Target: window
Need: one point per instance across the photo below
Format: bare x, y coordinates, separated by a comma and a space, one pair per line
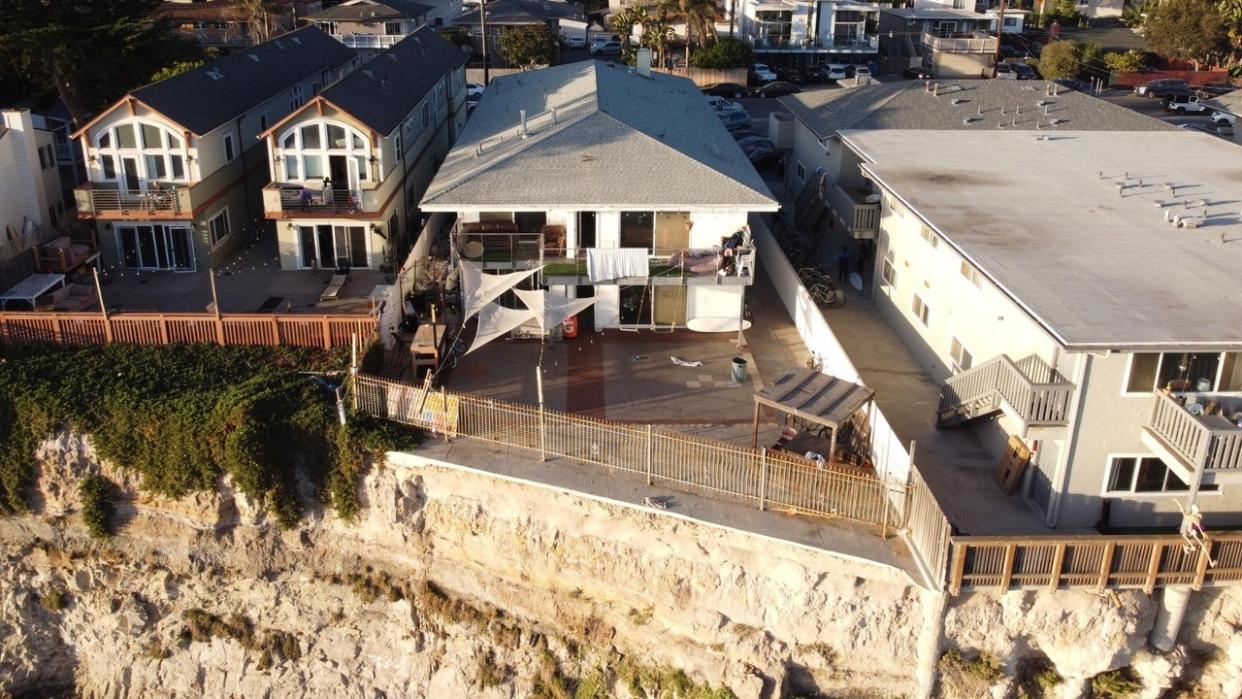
328, 27
961, 356
972, 275
637, 229
219, 227
888, 273
921, 311
296, 97
1139, 474
148, 151
801, 171
930, 236
330, 247
393, 29
1184, 371
311, 151
263, 122
530, 221
229, 152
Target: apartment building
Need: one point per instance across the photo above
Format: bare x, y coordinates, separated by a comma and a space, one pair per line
32, 194
810, 31
371, 26
350, 165
617, 183
1084, 303
175, 167
228, 25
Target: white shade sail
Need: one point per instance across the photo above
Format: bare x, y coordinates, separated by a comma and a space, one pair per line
496, 320
479, 289
552, 309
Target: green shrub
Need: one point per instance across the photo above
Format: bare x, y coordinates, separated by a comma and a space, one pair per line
183, 416
54, 600
1115, 684
984, 666
97, 509
725, 52
1037, 677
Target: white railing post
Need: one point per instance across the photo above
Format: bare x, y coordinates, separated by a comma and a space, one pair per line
763, 477
649, 453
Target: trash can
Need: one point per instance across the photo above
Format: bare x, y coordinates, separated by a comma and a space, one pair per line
571, 327
739, 369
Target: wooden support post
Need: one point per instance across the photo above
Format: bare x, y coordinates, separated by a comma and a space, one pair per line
958, 569
1201, 566
103, 307
763, 478
327, 333
56, 336
1058, 562
1106, 564
650, 454
754, 440
1011, 552
353, 367
215, 304
275, 330
163, 330
1153, 568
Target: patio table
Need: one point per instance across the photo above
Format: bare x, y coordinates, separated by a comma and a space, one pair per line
31, 288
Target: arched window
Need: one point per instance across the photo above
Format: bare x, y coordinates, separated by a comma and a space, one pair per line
140, 152
311, 152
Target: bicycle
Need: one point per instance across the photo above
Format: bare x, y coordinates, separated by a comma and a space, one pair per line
828, 293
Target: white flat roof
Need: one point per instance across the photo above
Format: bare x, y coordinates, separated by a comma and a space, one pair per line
1073, 227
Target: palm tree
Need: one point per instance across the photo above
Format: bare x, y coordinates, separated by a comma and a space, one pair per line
655, 36
622, 24
700, 19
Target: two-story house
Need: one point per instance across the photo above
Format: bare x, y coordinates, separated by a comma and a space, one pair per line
350, 165
950, 38
504, 16
175, 167
371, 26
229, 25
617, 183
813, 31
1084, 302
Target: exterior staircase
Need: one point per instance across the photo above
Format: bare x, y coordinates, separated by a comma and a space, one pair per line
1029, 390
809, 206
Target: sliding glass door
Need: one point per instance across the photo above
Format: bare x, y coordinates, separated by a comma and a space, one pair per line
156, 247
330, 247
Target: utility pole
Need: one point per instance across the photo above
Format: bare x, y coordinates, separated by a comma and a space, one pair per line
1000, 30
483, 30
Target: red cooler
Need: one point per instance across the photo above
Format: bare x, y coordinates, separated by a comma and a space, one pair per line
571, 327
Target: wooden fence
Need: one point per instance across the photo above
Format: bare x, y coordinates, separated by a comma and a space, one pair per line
706, 77
770, 479
1097, 561
326, 331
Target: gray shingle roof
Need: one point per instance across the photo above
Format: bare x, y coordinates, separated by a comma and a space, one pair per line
907, 104
384, 90
598, 136
1229, 102
220, 90
372, 11
522, 12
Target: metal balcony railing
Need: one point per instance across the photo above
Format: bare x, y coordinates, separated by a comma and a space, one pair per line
960, 43
172, 199
368, 41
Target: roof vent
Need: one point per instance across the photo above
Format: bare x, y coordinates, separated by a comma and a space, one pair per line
215, 74
297, 40
367, 72
957, 101
969, 120
253, 57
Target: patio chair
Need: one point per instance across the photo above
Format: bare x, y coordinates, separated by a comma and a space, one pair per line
788, 434
333, 290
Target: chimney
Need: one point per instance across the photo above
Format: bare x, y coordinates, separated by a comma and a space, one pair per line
644, 62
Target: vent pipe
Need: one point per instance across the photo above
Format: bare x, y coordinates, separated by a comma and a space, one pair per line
644, 62
522, 131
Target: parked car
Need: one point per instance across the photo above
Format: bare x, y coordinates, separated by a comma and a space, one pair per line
726, 90
919, 73
862, 73
474, 91
1223, 118
836, 71
577, 41
734, 121
721, 104
1185, 104
760, 72
1024, 71
1216, 89
602, 38
753, 141
1161, 88
746, 133
776, 89
1005, 71
789, 74
762, 157
611, 48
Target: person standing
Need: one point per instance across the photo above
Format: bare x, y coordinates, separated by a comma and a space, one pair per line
843, 264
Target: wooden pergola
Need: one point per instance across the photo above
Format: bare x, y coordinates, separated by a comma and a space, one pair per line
815, 397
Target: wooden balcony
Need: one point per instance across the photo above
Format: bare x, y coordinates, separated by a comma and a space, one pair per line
960, 43
1189, 442
110, 203
859, 216
662, 269
1029, 390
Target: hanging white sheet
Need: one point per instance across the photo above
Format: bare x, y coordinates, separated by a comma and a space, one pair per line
479, 289
551, 309
496, 320
608, 264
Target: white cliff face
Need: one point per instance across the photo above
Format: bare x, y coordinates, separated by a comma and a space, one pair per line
535, 585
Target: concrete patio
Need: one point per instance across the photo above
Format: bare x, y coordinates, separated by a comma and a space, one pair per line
251, 282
